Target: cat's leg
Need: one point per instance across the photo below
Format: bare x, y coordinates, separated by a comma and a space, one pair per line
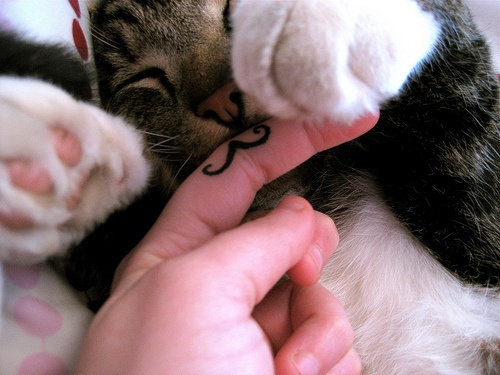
327, 58
64, 166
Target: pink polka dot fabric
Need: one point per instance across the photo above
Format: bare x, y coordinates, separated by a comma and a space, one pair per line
44, 322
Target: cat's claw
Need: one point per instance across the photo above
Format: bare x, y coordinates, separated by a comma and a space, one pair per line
64, 166
320, 59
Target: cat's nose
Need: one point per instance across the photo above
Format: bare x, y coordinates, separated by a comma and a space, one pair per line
222, 105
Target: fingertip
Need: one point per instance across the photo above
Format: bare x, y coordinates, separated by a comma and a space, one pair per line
294, 203
322, 336
327, 233
308, 270
359, 127
349, 365
307, 364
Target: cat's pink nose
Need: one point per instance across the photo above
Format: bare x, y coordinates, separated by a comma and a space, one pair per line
222, 104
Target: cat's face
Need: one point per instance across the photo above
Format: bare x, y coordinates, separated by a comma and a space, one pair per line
162, 65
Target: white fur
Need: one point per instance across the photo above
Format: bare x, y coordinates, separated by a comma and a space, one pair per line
339, 59
336, 59
112, 155
409, 314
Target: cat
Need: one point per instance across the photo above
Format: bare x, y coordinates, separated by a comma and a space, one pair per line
415, 200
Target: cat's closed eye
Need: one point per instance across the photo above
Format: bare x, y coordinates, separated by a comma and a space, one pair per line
153, 73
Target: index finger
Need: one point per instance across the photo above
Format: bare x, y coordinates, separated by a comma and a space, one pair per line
218, 194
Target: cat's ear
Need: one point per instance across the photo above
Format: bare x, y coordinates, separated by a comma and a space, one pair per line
322, 58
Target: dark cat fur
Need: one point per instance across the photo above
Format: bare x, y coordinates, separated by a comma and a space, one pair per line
51, 63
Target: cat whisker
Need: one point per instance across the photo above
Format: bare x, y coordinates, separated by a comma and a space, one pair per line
163, 151
161, 145
101, 37
159, 135
178, 172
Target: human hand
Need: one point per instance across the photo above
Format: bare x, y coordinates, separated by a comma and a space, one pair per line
197, 295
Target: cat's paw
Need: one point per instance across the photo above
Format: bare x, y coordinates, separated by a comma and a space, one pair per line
336, 59
64, 166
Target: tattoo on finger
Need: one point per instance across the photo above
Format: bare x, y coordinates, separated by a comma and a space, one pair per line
234, 145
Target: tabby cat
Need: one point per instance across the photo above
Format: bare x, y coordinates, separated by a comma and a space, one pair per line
415, 200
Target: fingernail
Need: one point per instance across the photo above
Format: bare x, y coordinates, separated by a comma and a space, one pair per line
307, 364
293, 203
316, 253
